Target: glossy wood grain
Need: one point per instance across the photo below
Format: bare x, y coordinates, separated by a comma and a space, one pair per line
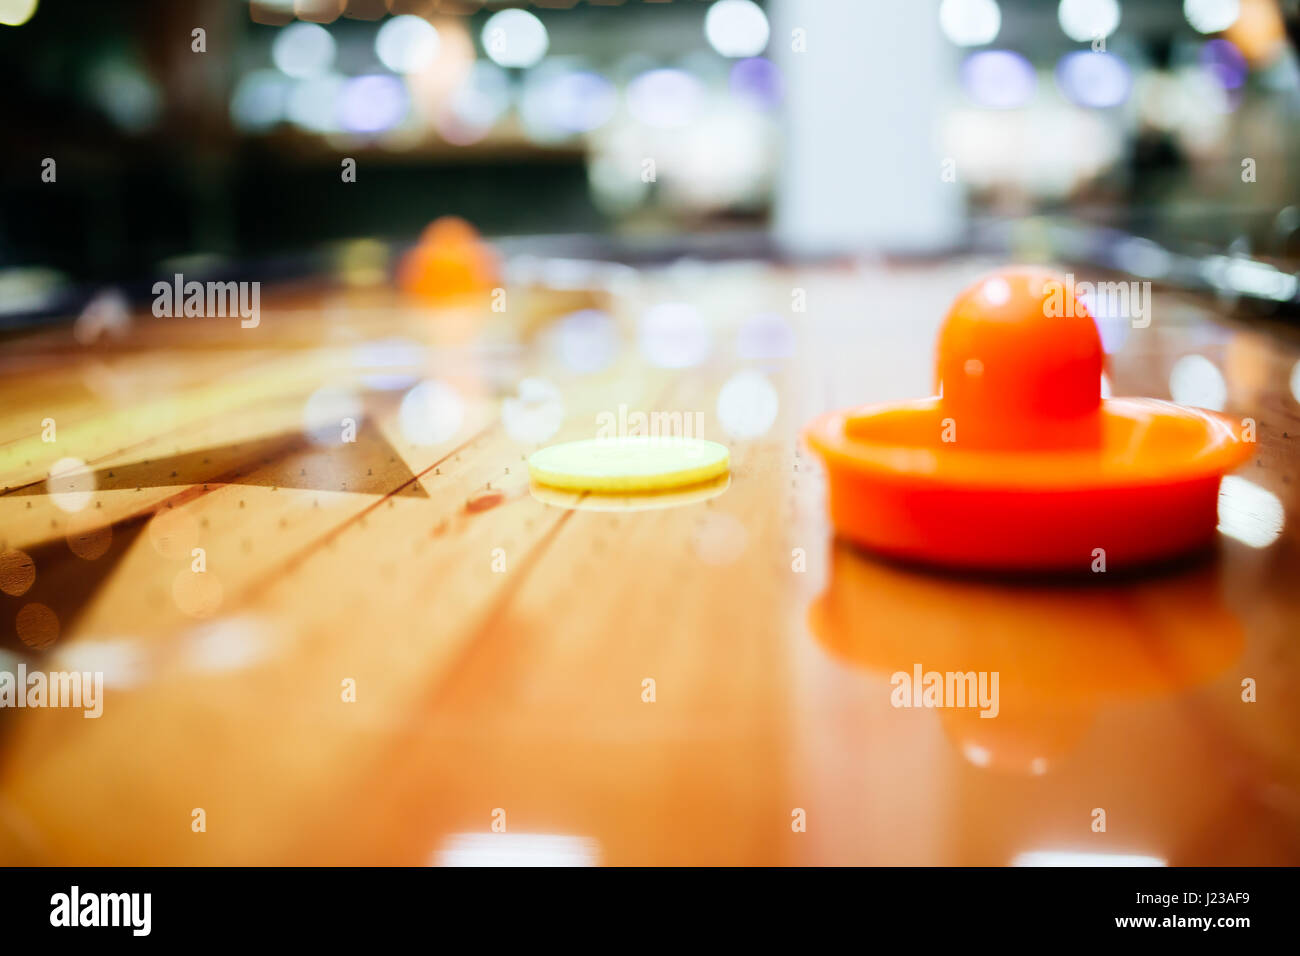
501, 641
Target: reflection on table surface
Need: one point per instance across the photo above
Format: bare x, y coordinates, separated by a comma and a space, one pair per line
399, 654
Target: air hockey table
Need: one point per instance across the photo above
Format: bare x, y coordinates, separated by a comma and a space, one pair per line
384, 646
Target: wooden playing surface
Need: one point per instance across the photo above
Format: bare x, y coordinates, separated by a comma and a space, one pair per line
499, 644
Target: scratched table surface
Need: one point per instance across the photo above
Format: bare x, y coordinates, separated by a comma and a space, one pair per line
383, 647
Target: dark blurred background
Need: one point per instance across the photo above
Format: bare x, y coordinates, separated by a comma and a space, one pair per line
825, 126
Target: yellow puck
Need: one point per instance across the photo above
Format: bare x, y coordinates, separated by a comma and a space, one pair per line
637, 463
630, 500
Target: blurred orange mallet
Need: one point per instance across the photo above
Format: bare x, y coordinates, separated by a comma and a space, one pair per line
449, 262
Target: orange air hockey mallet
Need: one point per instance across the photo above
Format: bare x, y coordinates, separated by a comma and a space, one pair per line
1018, 463
449, 263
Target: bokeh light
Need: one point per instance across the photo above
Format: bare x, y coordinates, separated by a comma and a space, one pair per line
14, 13
1087, 20
535, 413
970, 22
1259, 31
407, 44
765, 336
998, 79
197, 594
389, 364
756, 80
586, 341
517, 849
718, 163
313, 103
433, 88
17, 572
996, 291
227, 644
673, 335
1224, 62
1249, 513
747, 405
431, 413
477, 105
1195, 380
613, 190
303, 50
174, 532
515, 38
70, 484
561, 102
89, 538
126, 94
1094, 79
123, 661
327, 410
736, 28
665, 98
372, 104
37, 626
260, 100
1211, 16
